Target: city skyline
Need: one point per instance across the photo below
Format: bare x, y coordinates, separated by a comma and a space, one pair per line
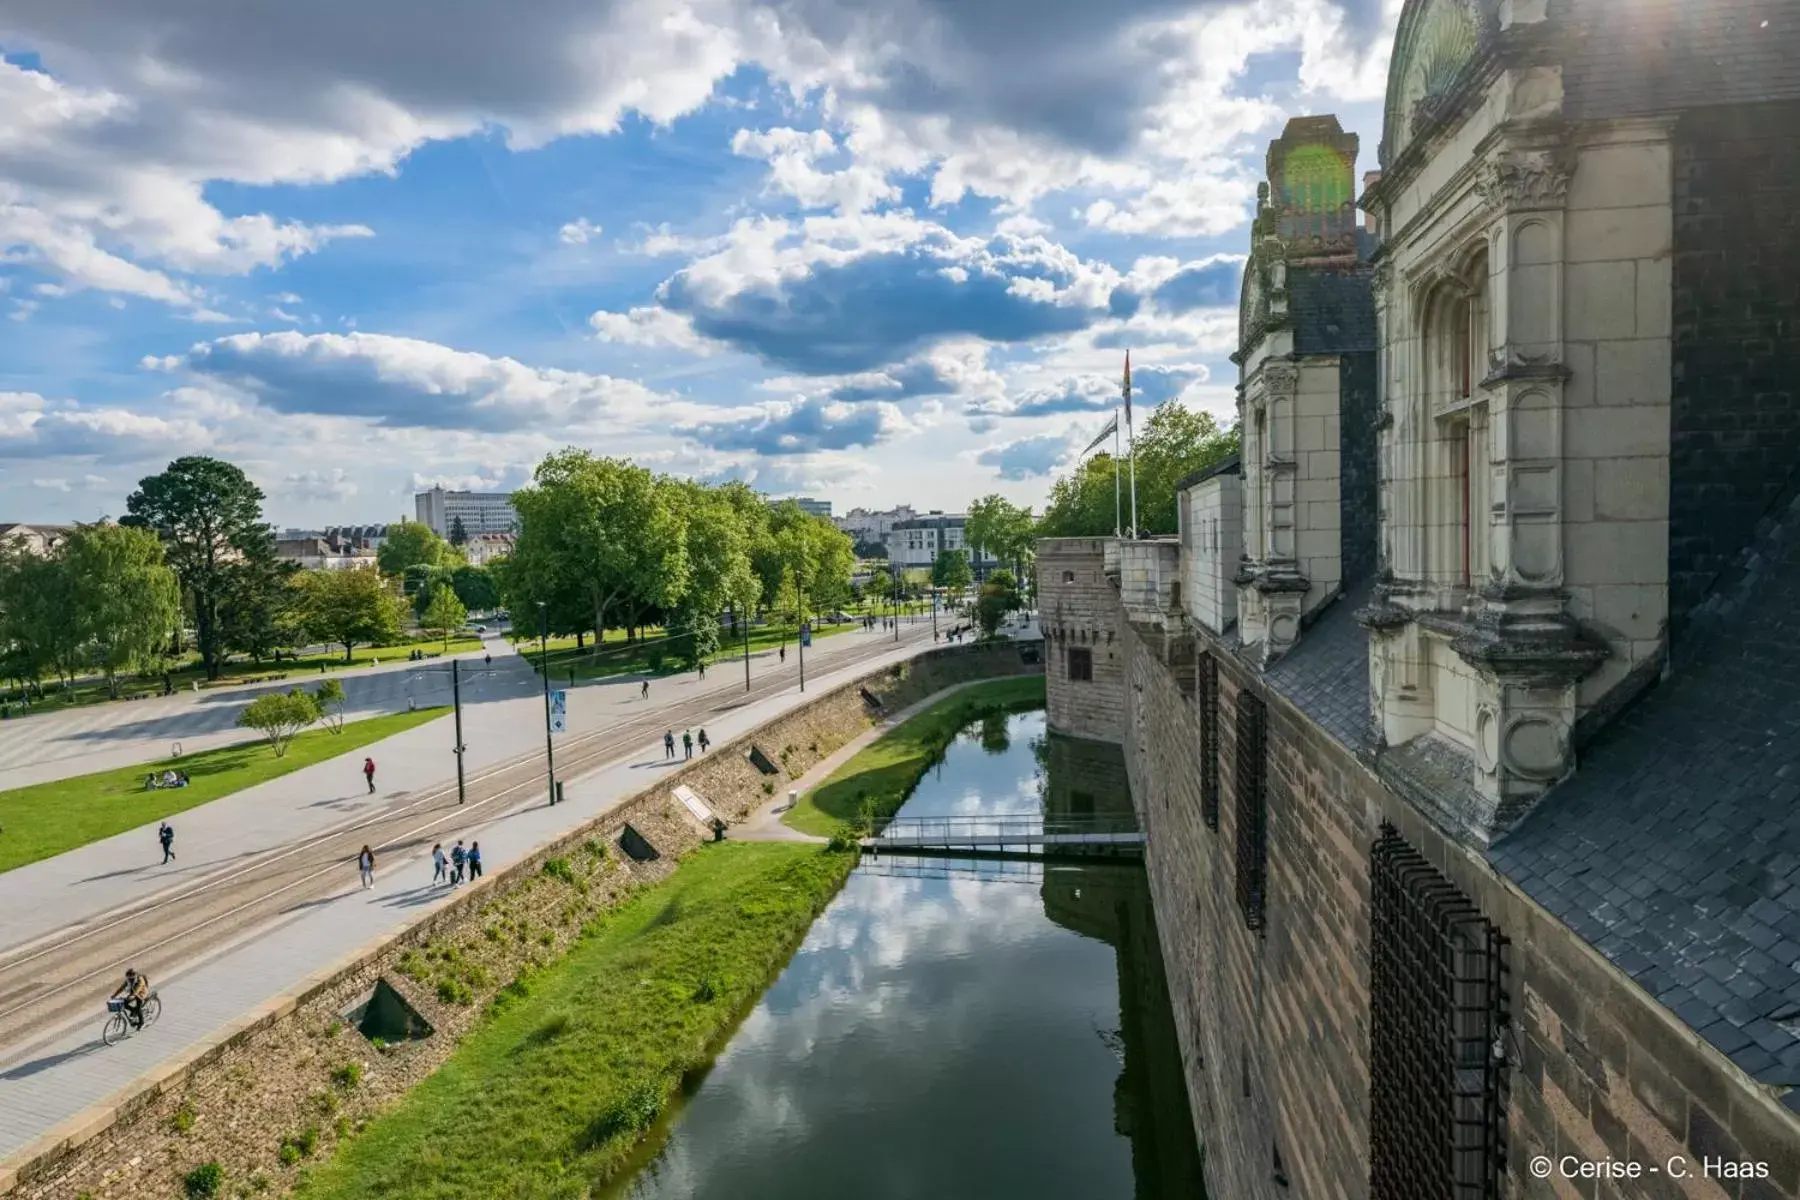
843, 281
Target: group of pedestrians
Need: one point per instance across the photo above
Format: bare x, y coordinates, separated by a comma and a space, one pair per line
687, 743
449, 869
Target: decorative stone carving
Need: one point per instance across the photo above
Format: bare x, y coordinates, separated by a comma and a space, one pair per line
1383, 277
1279, 378
1527, 180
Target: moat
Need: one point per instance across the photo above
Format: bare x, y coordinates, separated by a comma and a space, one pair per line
956, 1028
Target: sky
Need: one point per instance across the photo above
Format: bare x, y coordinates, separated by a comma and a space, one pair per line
874, 253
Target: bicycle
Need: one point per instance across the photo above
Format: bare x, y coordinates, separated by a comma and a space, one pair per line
118, 1022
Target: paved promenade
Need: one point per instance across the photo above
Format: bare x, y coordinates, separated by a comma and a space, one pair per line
52, 1082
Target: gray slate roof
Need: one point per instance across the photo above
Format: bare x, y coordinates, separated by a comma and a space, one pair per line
1332, 309
1675, 847
1327, 674
1637, 57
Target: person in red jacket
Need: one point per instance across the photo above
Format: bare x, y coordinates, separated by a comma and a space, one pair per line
369, 774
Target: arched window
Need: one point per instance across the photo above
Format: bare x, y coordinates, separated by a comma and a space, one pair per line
1457, 340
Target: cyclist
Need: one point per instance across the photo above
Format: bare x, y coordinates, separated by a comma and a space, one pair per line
134, 991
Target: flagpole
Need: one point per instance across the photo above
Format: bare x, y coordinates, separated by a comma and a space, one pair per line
1131, 443
1118, 503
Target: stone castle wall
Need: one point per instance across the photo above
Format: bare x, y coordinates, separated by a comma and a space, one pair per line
1275, 1026
1079, 609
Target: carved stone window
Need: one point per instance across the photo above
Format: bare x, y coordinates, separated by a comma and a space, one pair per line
1081, 664
1456, 340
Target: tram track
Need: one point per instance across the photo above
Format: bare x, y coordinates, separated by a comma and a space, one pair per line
162, 935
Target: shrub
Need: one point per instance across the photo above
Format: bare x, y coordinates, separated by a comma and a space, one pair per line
632, 1112
204, 1180
844, 841
348, 1075
341, 1127
768, 789
183, 1120
558, 868
453, 991
413, 966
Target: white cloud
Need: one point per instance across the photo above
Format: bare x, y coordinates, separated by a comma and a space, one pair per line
51, 485
578, 232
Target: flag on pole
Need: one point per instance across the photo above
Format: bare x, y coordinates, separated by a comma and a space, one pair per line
1112, 427
1128, 389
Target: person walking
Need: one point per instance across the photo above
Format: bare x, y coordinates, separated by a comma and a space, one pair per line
457, 857
784, 652
365, 863
440, 866
703, 668
669, 744
369, 774
487, 660
703, 742
687, 743
644, 691
166, 835
474, 861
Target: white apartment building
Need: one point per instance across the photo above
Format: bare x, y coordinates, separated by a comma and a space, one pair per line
919, 541
481, 512
864, 525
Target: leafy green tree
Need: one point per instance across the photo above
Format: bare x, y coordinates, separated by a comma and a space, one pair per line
600, 529
332, 702
413, 544
870, 550
257, 613
476, 588
32, 613
998, 596
123, 599
209, 517
445, 614
279, 716
420, 583
349, 607
1002, 530
459, 535
1174, 443
951, 572
720, 574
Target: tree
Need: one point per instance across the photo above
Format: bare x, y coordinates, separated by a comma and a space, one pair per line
445, 614
257, 613
278, 716
459, 536
123, 599
804, 561
1175, 442
413, 544
332, 702
600, 530
951, 572
421, 583
31, 612
209, 517
348, 607
719, 570
870, 550
476, 588
998, 596
1002, 530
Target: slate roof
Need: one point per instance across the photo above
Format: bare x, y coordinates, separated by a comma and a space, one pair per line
1230, 465
1637, 57
1327, 674
1332, 309
1675, 847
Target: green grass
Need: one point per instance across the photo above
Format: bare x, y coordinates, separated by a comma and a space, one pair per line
877, 781
547, 1097
46, 819
92, 689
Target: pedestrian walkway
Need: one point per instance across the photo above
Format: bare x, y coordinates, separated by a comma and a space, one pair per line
100, 737
766, 825
49, 1089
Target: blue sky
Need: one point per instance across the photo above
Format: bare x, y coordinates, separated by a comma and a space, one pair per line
876, 253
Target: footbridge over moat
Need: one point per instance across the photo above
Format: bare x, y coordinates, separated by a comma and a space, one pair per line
1022, 835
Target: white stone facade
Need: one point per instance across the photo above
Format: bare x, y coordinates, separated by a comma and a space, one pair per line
1212, 547
1524, 300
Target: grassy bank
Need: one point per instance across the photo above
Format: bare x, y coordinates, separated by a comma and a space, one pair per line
885, 771
46, 819
549, 1094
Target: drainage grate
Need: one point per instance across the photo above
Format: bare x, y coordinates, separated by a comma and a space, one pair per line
1438, 1023
1252, 811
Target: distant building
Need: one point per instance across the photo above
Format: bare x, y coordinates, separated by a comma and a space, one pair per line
36, 539
818, 508
866, 526
918, 542
481, 512
484, 548
319, 553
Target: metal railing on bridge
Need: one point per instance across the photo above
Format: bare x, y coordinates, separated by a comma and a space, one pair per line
1031, 835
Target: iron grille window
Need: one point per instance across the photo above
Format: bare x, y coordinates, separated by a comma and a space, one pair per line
1209, 740
1252, 808
1438, 1017
1081, 664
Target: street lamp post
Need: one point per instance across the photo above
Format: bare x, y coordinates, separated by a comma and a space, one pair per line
744, 620
802, 638
456, 704
895, 573
544, 670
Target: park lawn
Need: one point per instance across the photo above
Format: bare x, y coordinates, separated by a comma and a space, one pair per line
551, 1091
884, 773
617, 658
46, 819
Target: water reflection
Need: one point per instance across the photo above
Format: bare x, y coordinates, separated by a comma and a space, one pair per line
955, 1029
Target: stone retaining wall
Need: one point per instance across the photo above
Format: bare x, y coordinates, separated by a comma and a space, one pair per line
263, 1081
